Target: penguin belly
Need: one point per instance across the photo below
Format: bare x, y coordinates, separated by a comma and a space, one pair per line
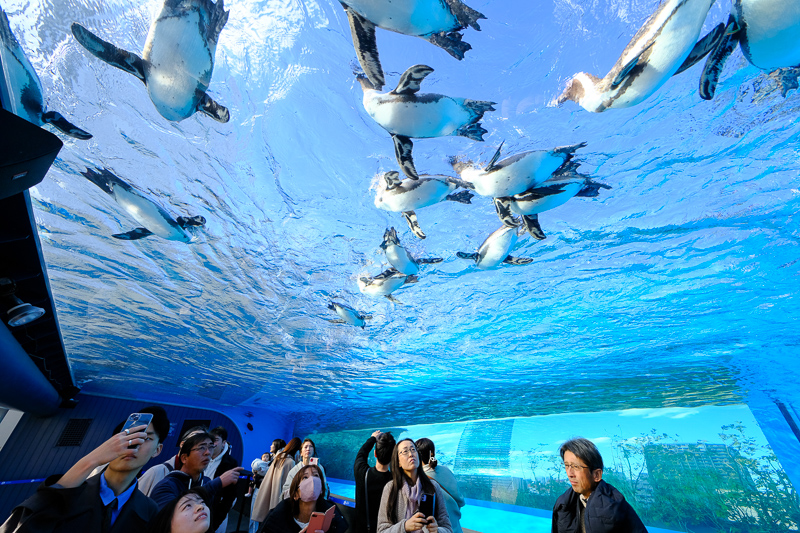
421, 117
427, 193
150, 215
409, 17
399, 258
772, 32
24, 86
383, 288
178, 64
496, 248
540, 205
528, 171
350, 316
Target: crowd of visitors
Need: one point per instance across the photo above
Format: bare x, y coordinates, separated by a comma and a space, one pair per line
194, 491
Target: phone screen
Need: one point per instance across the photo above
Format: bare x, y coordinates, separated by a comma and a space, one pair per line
427, 504
313, 460
137, 419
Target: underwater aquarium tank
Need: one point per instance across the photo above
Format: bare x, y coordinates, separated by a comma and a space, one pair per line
558, 234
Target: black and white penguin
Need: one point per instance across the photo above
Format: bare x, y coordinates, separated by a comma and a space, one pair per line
25, 88
437, 21
495, 249
178, 57
348, 315
552, 193
154, 219
768, 32
407, 195
399, 257
517, 173
406, 114
385, 283
666, 45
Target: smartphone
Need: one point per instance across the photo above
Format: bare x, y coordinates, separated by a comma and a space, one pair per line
320, 521
245, 474
313, 460
427, 504
137, 419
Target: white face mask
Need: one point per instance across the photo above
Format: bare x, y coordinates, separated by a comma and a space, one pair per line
310, 488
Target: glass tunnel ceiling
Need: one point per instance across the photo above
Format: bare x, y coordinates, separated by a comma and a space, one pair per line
675, 287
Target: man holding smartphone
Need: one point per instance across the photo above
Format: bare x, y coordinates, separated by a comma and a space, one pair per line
106, 502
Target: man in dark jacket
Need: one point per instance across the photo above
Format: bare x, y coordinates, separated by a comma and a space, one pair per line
371, 480
221, 462
591, 505
109, 502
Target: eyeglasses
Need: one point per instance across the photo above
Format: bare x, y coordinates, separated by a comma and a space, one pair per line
574, 468
203, 448
407, 451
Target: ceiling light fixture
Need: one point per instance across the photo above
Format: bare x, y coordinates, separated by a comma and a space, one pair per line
18, 312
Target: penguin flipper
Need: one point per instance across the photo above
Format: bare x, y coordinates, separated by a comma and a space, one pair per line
413, 223
214, 110
465, 15
411, 79
56, 120
336, 321
628, 68
462, 197
392, 180
716, 60
394, 300
403, 147
503, 208
429, 260
363, 33
703, 47
105, 51
787, 80
490, 166
509, 260
134, 234
197, 220
531, 223
470, 257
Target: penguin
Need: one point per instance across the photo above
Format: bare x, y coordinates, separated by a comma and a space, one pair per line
552, 193
406, 114
407, 195
178, 57
437, 21
348, 315
25, 87
156, 220
768, 32
385, 283
666, 45
517, 173
399, 257
494, 250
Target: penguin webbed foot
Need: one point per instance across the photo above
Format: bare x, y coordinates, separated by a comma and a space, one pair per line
592, 189
214, 110
788, 80
196, 221
133, 235
462, 197
465, 15
470, 257
509, 260
471, 131
429, 261
451, 43
56, 120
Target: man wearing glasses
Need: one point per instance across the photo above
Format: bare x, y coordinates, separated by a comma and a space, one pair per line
591, 505
193, 458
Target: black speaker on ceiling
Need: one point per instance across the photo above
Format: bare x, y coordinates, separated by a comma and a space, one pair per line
26, 153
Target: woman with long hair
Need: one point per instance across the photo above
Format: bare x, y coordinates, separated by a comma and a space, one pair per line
191, 513
307, 450
399, 512
305, 497
269, 494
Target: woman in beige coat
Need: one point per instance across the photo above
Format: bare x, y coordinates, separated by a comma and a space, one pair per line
269, 494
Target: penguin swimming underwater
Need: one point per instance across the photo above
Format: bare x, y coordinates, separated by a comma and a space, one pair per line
768, 33
517, 173
406, 114
25, 87
494, 250
154, 218
399, 257
385, 283
178, 57
348, 315
552, 193
438, 22
407, 195
664, 46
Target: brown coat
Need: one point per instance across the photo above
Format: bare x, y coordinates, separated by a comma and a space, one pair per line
269, 494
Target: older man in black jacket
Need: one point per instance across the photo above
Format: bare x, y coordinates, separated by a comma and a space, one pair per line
591, 505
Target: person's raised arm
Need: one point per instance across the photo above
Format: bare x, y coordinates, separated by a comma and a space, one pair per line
362, 457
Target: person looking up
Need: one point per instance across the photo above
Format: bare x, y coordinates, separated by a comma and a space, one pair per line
276, 446
591, 505
399, 511
221, 462
293, 514
193, 458
190, 513
269, 494
156, 473
453, 499
108, 502
371, 480
307, 451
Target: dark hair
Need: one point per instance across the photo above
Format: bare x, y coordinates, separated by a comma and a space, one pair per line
280, 444
190, 443
160, 421
162, 521
312, 443
384, 447
585, 450
220, 432
288, 451
399, 477
295, 486
425, 448
195, 429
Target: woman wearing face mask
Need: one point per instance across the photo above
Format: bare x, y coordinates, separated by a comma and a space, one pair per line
292, 515
399, 512
188, 514
307, 451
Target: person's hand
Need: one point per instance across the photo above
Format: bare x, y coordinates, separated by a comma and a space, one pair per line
416, 522
377, 433
433, 527
119, 446
231, 476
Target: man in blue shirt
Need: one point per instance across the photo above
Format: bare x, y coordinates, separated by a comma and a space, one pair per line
108, 502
